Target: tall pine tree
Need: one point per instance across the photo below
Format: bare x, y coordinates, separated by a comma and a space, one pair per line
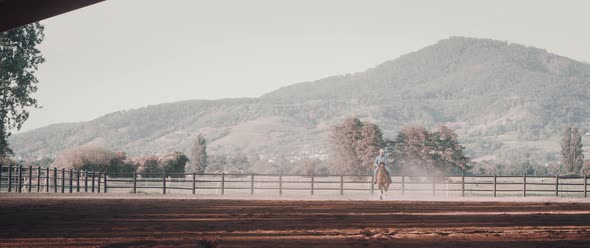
566, 150
572, 154
198, 155
577, 152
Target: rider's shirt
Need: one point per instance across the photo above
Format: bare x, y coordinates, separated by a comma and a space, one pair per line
381, 159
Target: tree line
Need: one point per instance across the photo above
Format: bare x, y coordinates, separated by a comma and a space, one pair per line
417, 151
98, 158
354, 144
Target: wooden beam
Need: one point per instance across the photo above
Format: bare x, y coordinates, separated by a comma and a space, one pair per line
16, 13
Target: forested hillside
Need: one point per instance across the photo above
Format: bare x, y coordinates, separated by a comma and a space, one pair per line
505, 101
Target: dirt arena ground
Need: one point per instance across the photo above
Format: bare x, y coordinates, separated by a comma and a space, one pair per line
162, 222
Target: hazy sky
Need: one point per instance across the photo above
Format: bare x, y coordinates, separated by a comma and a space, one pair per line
123, 54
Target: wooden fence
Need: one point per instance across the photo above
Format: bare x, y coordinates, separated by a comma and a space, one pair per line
36, 179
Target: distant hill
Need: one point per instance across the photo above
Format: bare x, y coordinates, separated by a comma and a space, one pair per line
506, 101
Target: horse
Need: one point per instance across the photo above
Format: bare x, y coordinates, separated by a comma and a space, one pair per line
383, 180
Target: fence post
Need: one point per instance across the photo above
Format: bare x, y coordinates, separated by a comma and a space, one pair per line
85, 181
164, 182
47, 180
63, 180
557, 185
20, 178
252, 184
55, 180
93, 178
494, 185
312, 178
524, 185
463, 185
446, 187
223, 183
99, 181
134, 182
194, 182
30, 178
372, 183
281, 184
71, 179
433, 186
9, 178
403, 185
105, 182
78, 181
38, 179
341, 184
1, 167
585, 187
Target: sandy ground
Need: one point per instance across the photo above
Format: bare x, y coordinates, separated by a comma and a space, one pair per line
168, 221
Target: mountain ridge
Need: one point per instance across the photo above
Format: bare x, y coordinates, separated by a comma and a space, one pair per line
479, 87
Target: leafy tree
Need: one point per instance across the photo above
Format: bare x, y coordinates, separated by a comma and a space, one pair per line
174, 163
19, 59
354, 146
448, 153
199, 159
418, 151
343, 157
154, 166
120, 164
90, 157
413, 151
86, 157
369, 144
416, 146
149, 166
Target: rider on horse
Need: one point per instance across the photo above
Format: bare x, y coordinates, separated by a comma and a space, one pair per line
381, 158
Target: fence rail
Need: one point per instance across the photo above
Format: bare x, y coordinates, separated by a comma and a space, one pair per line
29, 179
